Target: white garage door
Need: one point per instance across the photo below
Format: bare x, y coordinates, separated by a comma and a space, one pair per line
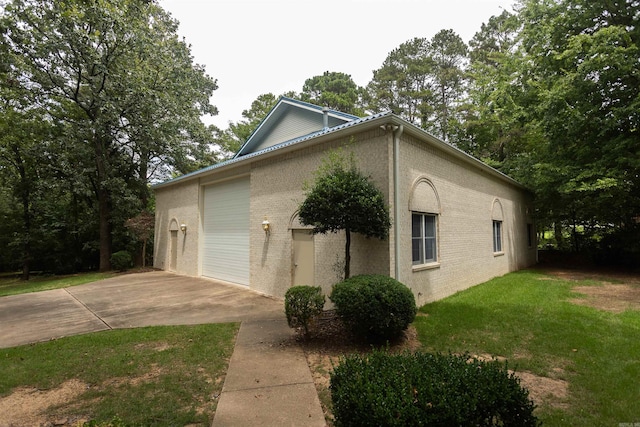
226, 231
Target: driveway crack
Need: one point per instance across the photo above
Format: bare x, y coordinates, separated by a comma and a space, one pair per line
88, 309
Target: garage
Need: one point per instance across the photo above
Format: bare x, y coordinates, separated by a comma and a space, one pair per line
226, 231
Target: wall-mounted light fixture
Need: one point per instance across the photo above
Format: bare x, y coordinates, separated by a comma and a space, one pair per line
266, 225
183, 227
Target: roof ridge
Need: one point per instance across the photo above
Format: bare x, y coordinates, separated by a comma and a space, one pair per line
318, 107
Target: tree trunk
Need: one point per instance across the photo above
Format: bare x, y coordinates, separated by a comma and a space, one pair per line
143, 171
105, 229
144, 253
444, 120
25, 196
347, 255
100, 146
574, 235
26, 247
557, 234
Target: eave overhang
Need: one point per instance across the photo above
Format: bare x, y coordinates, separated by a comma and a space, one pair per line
347, 129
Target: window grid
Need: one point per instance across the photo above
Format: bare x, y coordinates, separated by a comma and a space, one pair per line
424, 238
497, 236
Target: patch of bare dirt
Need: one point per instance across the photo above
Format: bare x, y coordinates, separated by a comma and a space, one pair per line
610, 276
610, 297
619, 291
544, 390
155, 346
147, 377
27, 407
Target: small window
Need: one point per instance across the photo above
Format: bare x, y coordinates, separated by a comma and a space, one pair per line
497, 236
530, 235
424, 246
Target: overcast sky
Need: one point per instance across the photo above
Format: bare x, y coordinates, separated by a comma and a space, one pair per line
253, 47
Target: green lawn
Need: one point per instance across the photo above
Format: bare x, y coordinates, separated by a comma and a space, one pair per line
155, 376
12, 285
527, 317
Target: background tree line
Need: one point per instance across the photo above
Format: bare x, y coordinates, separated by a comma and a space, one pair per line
548, 94
101, 98
98, 98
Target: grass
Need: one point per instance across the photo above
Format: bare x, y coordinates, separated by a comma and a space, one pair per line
528, 318
154, 376
12, 285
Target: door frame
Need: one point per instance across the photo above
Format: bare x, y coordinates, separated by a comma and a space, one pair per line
310, 262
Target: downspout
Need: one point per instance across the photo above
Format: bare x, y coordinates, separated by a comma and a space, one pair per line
397, 133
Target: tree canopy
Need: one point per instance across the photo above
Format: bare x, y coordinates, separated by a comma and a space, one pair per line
122, 88
335, 90
423, 81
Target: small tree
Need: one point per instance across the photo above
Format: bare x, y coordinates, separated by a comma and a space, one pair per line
342, 198
142, 226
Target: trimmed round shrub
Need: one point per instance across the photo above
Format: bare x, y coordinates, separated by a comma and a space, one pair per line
374, 306
121, 260
302, 304
381, 389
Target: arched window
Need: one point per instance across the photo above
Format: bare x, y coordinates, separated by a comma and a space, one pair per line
424, 205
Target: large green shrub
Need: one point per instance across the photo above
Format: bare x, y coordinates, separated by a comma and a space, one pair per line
302, 304
374, 306
424, 389
121, 260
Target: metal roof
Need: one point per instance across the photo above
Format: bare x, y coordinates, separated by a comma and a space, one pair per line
383, 118
276, 147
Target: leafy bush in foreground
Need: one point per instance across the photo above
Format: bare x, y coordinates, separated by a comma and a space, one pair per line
302, 304
121, 260
374, 306
424, 389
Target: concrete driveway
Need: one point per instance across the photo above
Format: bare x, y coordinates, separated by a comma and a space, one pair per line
125, 301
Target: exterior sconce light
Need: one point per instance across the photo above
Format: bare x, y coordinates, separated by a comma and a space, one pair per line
266, 225
183, 227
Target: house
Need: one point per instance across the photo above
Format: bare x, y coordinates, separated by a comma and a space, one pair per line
456, 221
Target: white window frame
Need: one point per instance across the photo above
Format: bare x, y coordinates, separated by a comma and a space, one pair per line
423, 239
497, 237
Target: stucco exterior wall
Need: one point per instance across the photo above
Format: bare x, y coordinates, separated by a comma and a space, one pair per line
465, 234
465, 196
277, 191
178, 204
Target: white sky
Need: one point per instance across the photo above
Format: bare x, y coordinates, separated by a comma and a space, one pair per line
253, 47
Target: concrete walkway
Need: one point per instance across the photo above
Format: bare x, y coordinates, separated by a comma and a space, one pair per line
268, 382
